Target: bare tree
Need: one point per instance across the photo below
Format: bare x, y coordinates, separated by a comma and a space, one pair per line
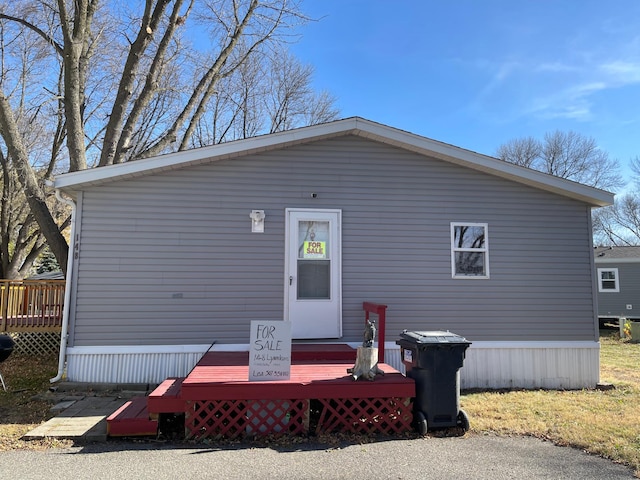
290, 97
128, 80
521, 151
27, 158
567, 155
619, 224
20, 241
267, 93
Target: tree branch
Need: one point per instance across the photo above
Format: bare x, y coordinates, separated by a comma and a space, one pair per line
47, 38
35, 196
207, 82
151, 81
150, 21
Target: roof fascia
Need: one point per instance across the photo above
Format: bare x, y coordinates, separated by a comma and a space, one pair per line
477, 161
611, 260
355, 125
172, 161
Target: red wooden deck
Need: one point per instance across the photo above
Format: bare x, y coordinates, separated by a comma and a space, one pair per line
224, 376
219, 401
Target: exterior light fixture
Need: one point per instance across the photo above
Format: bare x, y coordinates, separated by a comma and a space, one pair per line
257, 221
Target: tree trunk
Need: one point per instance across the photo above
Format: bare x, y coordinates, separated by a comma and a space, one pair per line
35, 196
366, 364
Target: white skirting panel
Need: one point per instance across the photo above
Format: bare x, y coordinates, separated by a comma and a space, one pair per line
488, 365
148, 364
564, 365
494, 365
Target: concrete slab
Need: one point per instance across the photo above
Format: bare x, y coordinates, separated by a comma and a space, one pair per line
84, 420
60, 406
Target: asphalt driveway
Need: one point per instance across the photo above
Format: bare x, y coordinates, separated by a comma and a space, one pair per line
470, 457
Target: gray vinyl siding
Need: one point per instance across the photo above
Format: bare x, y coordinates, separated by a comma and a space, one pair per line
169, 258
615, 303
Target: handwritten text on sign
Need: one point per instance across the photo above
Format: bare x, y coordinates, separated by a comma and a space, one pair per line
270, 350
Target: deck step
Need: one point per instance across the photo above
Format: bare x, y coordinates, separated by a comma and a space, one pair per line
132, 419
167, 398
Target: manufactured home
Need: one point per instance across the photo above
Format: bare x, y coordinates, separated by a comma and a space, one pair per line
618, 282
177, 254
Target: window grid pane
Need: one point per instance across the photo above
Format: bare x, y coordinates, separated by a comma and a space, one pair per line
469, 237
469, 250
469, 263
608, 280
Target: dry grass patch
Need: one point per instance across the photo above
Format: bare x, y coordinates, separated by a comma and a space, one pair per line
605, 423
25, 376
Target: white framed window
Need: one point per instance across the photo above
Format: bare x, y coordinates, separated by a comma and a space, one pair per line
608, 280
469, 250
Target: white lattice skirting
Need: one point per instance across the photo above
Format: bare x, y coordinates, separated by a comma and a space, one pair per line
488, 365
36, 343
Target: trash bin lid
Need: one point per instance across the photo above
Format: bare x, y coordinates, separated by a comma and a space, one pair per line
6, 342
433, 337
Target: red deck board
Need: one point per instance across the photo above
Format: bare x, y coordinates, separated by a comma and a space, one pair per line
166, 398
305, 352
209, 379
132, 409
131, 419
224, 376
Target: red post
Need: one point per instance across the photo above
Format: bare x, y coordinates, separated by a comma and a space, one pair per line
381, 311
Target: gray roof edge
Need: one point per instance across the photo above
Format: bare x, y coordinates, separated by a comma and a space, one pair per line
617, 254
353, 125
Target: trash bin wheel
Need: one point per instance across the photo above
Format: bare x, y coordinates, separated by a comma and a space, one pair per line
421, 423
463, 420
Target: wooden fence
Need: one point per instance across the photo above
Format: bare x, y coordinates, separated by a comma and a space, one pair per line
31, 305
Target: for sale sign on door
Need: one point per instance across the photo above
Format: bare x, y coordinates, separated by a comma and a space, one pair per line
315, 250
270, 350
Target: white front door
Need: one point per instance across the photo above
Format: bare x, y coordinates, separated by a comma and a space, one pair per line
313, 271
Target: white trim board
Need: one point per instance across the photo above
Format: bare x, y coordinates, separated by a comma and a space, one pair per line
244, 347
488, 365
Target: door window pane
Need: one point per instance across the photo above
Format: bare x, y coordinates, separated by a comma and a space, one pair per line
314, 265
313, 240
314, 279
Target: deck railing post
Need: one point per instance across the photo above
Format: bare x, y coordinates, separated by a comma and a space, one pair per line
381, 311
5, 305
31, 305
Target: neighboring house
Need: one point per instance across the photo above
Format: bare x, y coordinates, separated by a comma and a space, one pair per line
173, 253
618, 282
56, 275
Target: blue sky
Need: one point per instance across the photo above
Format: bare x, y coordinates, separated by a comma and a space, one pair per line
479, 73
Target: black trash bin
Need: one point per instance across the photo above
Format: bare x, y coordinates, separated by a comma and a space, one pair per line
433, 360
6, 347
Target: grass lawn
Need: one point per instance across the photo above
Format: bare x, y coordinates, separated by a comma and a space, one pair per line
26, 377
603, 422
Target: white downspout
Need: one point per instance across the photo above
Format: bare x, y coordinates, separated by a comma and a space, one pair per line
67, 292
